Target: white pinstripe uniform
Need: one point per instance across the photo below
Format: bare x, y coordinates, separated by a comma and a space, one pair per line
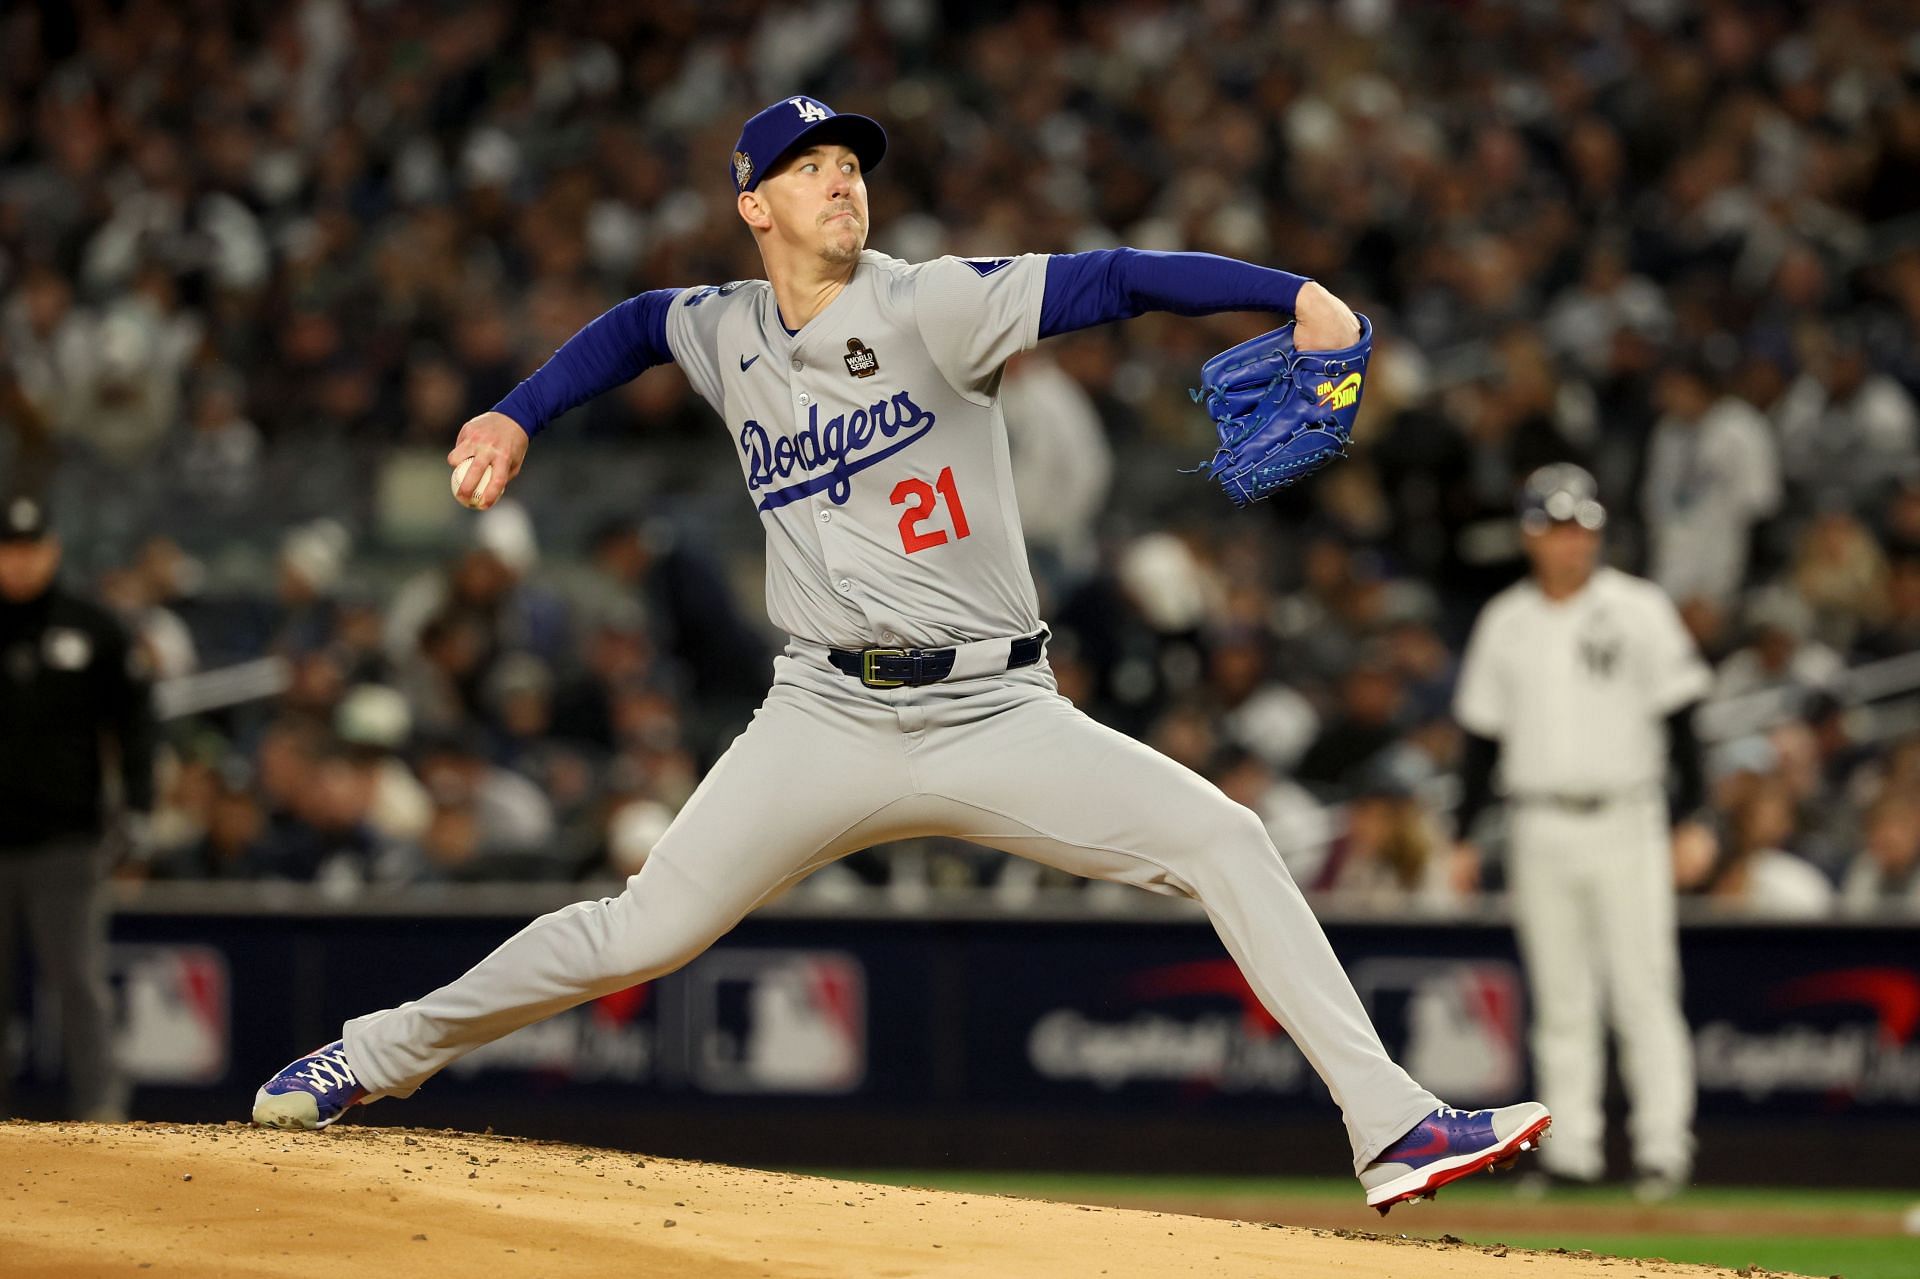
1577, 691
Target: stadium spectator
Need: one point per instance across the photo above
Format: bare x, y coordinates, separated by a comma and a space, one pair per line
690, 610
1756, 874
1299, 825
372, 722
50, 346
231, 827
1609, 298
313, 558
1845, 428
488, 588
1367, 720
1841, 572
1711, 475
1886, 872
1257, 712
488, 822
1062, 467
138, 593
1896, 630
1389, 853
220, 463
1781, 653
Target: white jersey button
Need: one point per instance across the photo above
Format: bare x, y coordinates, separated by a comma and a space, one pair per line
826, 517
889, 637
804, 398
798, 364
846, 585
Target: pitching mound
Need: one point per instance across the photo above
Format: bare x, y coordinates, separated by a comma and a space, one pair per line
211, 1202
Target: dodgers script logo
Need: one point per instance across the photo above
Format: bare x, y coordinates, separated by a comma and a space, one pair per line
829, 454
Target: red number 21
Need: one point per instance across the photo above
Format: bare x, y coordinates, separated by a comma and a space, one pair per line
920, 494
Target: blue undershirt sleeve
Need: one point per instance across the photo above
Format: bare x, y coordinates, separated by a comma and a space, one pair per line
615, 348
1084, 289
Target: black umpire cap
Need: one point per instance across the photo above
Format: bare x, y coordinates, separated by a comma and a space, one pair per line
1561, 493
23, 519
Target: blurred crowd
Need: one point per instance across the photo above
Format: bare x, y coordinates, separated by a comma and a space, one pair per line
1676, 242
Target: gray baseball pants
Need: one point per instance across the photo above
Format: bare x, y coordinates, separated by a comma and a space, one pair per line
829, 766
57, 891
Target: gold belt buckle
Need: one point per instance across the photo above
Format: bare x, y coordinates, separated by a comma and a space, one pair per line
867, 658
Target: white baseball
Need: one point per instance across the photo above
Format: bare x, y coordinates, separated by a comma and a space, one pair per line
460, 473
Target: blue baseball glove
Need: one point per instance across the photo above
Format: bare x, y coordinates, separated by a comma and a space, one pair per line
1282, 414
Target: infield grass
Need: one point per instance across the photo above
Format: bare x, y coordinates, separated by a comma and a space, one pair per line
1056, 1185
1855, 1255
1866, 1258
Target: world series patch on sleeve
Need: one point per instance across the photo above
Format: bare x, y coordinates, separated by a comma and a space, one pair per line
1282, 414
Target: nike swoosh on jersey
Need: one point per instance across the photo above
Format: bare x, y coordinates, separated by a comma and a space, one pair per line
746, 362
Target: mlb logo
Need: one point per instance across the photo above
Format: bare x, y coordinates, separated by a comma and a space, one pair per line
174, 1006
614, 1038
778, 1021
1459, 1024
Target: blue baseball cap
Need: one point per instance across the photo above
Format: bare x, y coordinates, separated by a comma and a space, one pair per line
1561, 493
788, 123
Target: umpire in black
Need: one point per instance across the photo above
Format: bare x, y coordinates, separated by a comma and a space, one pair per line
74, 708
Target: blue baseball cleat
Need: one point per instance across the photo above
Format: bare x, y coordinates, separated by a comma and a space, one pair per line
1449, 1144
310, 1093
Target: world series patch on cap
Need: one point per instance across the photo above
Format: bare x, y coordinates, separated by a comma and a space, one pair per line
791, 122
24, 519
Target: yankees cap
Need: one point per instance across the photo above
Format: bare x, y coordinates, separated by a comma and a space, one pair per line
790, 122
1560, 493
22, 519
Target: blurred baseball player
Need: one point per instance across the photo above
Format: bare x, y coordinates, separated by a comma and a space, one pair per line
914, 698
1581, 682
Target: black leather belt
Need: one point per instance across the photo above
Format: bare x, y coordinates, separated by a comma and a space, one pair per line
908, 667
1582, 804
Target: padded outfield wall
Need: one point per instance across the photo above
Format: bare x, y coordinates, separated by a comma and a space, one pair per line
969, 1037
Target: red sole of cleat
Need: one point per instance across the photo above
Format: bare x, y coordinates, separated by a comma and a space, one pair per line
1500, 1157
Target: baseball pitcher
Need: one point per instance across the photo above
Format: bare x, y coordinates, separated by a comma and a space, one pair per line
914, 697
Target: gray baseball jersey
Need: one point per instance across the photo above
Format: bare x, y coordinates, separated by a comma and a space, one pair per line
873, 446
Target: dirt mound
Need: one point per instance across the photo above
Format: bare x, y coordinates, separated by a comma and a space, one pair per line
213, 1202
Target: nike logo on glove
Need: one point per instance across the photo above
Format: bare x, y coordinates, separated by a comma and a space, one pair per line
747, 363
